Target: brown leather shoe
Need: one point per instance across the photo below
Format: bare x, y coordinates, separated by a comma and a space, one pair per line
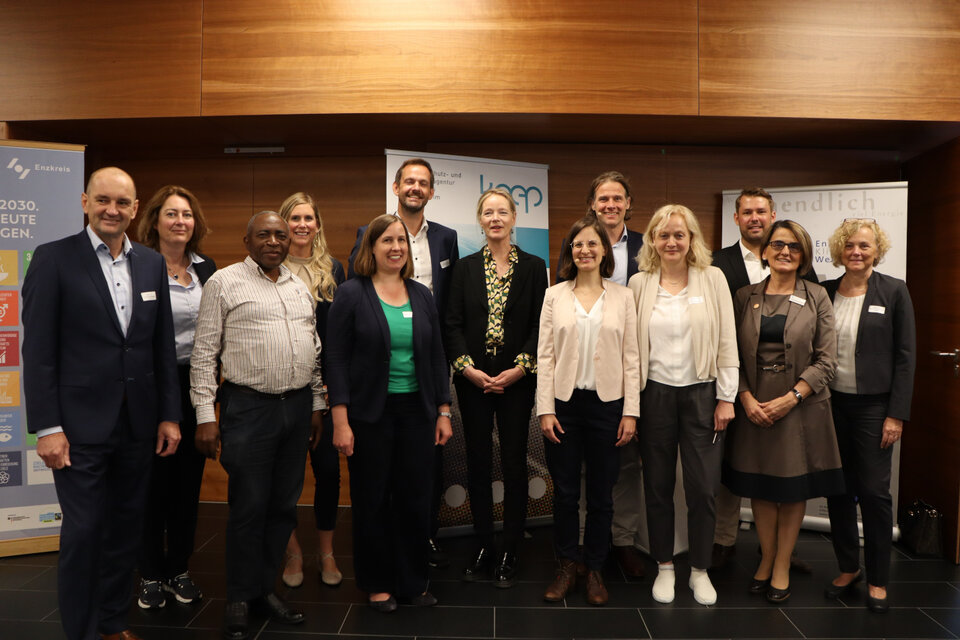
565, 581
596, 591
630, 561
126, 634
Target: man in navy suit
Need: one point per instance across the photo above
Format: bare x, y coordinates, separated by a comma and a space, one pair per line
434, 250
100, 378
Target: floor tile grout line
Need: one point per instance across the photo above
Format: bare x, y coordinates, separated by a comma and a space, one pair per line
262, 629
494, 622
206, 603
937, 622
644, 621
345, 616
792, 623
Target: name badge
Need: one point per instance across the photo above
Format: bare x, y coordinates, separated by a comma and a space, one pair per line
408, 314
696, 300
877, 308
444, 264
799, 301
148, 296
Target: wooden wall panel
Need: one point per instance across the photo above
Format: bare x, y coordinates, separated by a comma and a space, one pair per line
830, 59
112, 59
375, 56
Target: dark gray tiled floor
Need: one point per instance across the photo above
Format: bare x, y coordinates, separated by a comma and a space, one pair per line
924, 592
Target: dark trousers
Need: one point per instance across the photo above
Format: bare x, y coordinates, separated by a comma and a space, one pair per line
391, 480
170, 518
325, 462
264, 444
102, 496
858, 420
672, 417
589, 439
512, 412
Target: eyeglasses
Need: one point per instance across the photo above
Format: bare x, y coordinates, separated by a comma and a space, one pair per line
778, 245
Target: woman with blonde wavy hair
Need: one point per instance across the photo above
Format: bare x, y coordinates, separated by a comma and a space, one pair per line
310, 260
688, 378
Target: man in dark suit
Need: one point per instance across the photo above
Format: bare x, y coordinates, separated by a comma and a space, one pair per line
100, 378
434, 250
754, 212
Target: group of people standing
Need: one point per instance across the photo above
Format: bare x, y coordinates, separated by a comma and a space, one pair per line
641, 350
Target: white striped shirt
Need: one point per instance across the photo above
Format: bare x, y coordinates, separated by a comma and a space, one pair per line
264, 334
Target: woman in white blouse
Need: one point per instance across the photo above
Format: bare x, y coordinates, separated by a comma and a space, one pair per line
588, 400
688, 377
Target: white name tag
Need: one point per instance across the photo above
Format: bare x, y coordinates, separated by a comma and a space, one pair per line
877, 308
147, 296
799, 301
444, 264
696, 300
408, 314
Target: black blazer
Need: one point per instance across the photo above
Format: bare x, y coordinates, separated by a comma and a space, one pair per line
358, 351
323, 314
886, 351
204, 269
730, 261
634, 244
77, 365
467, 310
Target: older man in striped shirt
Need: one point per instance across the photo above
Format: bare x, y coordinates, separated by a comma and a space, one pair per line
257, 320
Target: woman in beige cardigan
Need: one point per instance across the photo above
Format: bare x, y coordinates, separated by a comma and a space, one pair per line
688, 376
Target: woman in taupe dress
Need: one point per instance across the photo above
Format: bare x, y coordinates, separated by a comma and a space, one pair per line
782, 448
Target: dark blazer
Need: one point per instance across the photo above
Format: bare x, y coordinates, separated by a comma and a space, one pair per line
444, 253
204, 269
886, 352
467, 310
634, 244
358, 351
77, 365
809, 337
730, 261
323, 313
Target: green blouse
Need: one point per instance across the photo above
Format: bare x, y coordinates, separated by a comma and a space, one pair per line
403, 369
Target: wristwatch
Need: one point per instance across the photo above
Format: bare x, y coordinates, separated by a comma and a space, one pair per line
798, 395
446, 414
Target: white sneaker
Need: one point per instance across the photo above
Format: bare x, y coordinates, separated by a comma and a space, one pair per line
663, 585
703, 591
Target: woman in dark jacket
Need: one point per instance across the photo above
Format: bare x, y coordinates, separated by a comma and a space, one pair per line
871, 396
492, 324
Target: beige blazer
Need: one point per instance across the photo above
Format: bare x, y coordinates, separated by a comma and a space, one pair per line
558, 351
712, 322
809, 336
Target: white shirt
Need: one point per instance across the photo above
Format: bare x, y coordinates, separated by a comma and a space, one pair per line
185, 305
588, 328
620, 259
755, 269
420, 252
846, 312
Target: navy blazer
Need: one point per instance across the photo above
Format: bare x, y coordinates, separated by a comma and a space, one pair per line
78, 368
467, 311
358, 351
886, 351
444, 253
730, 261
634, 244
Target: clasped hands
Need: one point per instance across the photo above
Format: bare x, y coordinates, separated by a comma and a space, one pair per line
492, 384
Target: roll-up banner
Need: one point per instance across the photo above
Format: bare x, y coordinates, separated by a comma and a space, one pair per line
40, 187
458, 183
821, 209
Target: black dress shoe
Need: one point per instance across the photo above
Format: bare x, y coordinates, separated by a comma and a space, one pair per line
505, 575
832, 591
799, 565
877, 605
479, 568
436, 558
758, 587
384, 606
721, 555
777, 596
280, 611
236, 621
425, 599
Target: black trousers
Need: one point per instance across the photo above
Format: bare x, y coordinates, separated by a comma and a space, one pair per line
102, 496
673, 417
512, 411
264, 448
170, 519
858, 420
590, 439
325, 462
391, 481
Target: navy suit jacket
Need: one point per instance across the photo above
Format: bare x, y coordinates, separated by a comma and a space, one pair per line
634, 244
730, 261
358, 351
444, 253
886, 351
77, 365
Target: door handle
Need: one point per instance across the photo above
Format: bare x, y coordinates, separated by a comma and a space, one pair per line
953, 355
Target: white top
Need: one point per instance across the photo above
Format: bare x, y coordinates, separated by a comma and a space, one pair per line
671, 346
620, 259
185, 305
755, 269
588, 328
420, 252
846, 312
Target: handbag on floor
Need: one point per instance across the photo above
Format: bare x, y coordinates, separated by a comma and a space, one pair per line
922, 529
